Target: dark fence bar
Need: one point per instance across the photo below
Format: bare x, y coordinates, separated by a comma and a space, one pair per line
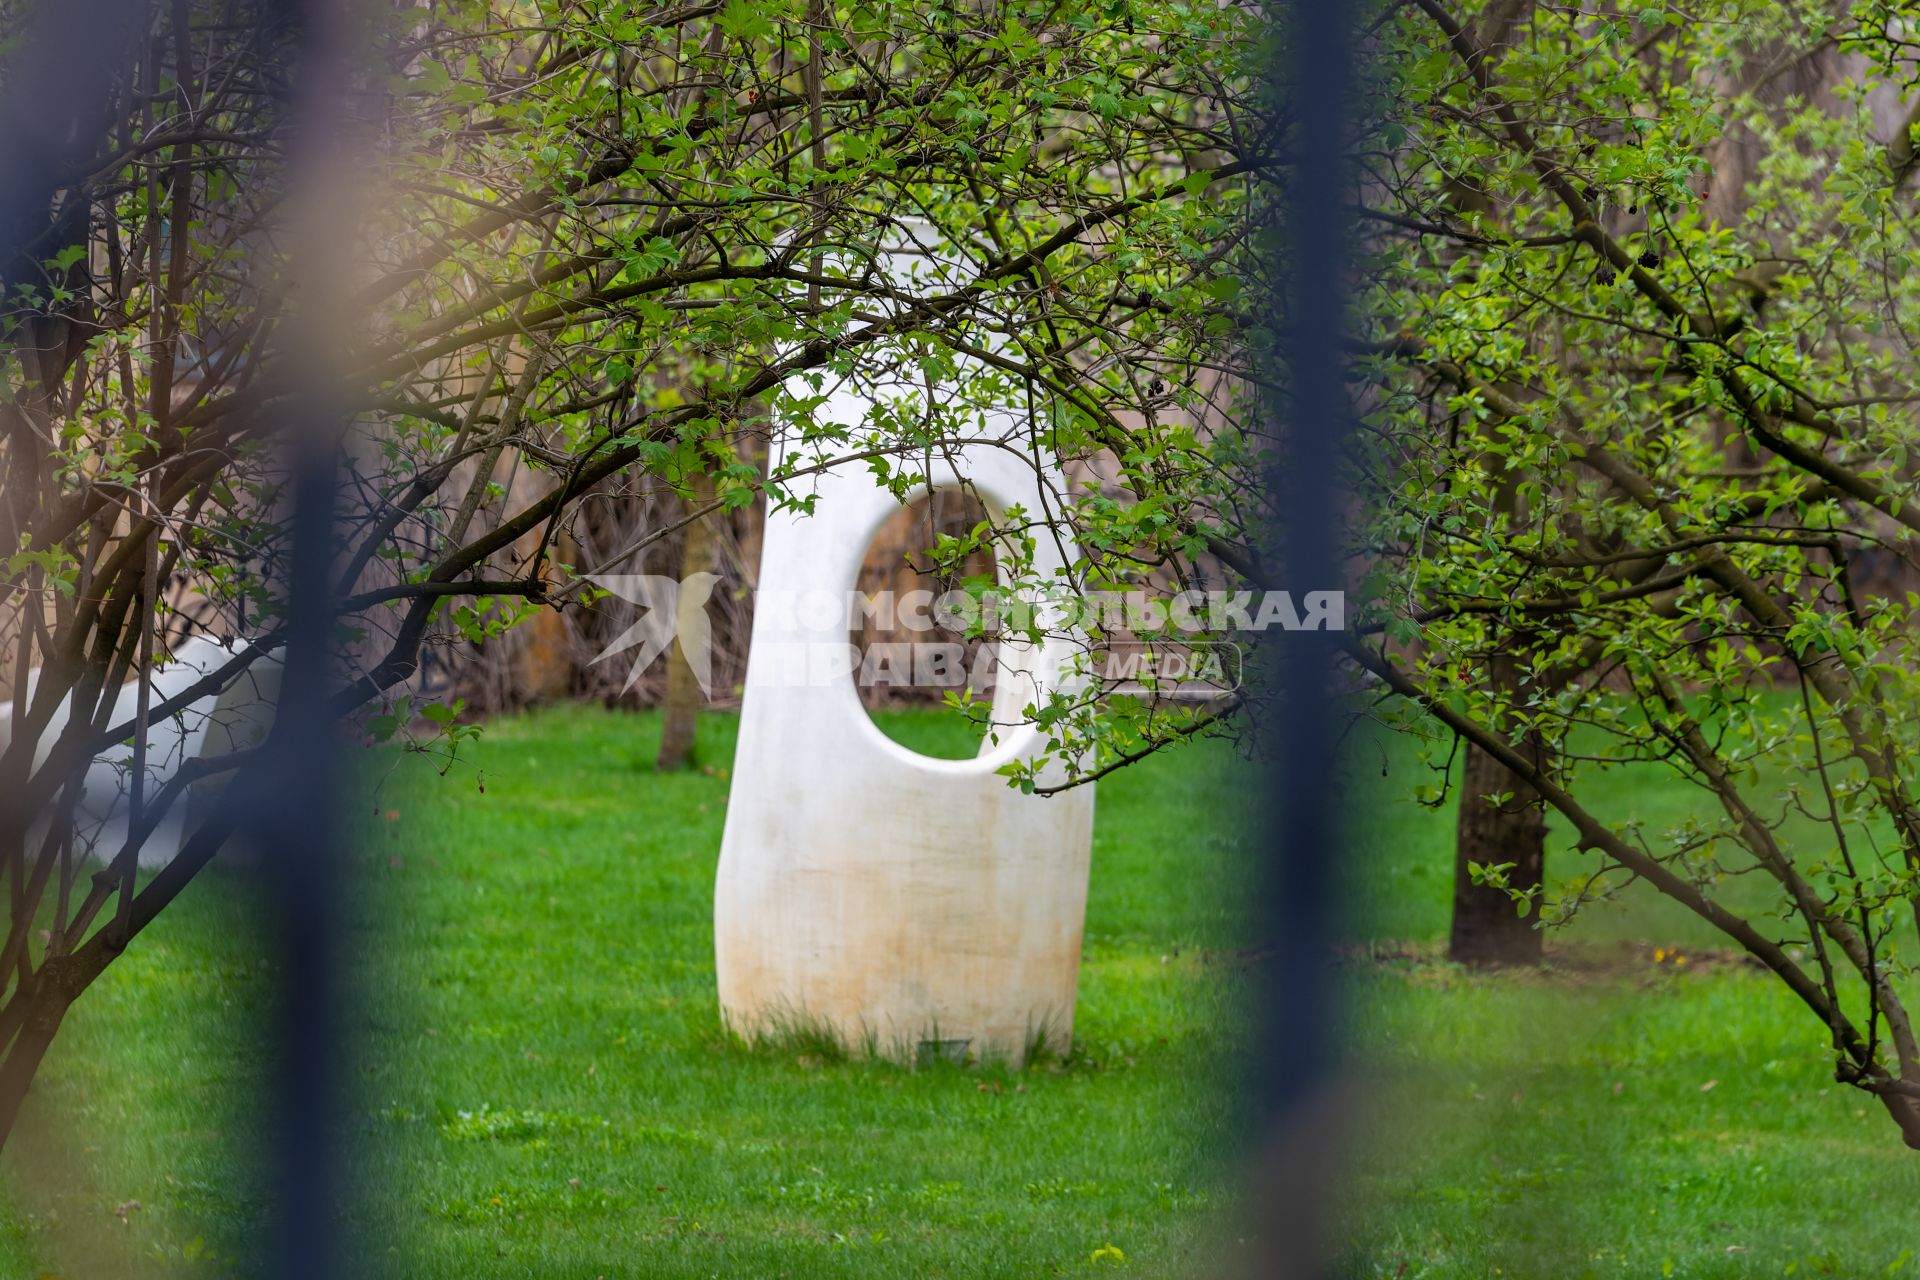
1293, 1081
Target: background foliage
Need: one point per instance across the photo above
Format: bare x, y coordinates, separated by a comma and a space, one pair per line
1639, 383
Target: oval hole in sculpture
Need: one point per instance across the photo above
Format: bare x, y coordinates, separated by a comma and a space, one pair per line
905, 673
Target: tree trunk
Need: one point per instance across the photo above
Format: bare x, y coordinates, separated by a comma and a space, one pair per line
43, 1017
1487, 928
681, 706
1906, 1113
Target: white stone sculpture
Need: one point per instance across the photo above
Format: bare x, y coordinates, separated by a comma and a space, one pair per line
910, 905
235, 717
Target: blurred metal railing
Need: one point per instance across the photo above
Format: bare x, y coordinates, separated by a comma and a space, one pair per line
53, 117
1293, 1092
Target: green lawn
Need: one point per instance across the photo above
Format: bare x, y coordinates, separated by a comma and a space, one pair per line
1614, 1117
548, 1092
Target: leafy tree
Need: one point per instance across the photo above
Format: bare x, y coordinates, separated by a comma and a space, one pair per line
604, 246
1641, 461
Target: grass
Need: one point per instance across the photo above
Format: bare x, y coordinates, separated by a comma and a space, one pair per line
1617, 1116
1678, 1127
1407, 886
547, 1090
